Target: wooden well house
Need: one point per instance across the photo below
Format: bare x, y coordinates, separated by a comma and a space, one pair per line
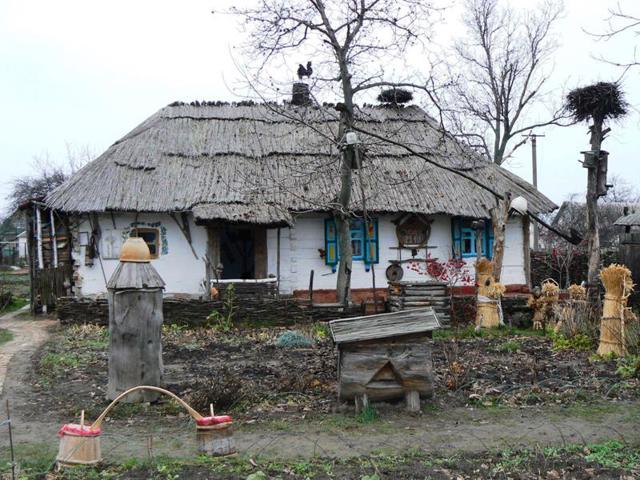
385, 357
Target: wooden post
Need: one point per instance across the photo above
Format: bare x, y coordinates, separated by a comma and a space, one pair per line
311, 287
526, 232
54, 242
412, 398
362, 402
278, 258
39, 238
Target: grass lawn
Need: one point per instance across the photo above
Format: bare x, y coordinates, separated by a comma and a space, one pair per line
5, 336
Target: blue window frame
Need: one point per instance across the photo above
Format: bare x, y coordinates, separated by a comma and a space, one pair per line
364, 247
464, 238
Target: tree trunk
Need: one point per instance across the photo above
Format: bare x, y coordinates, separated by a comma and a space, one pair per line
593, 227
499, 218
343, 283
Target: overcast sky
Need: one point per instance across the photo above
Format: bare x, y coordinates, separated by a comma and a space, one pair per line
83, 73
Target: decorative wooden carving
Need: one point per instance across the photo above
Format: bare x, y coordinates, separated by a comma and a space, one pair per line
413, 231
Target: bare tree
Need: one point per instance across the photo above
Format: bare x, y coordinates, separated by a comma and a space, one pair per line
619, 23
500, 73
348, 41
596, 103
48, 175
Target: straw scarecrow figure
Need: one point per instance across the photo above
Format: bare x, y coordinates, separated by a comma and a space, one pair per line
615, 313
542, 302
488, 314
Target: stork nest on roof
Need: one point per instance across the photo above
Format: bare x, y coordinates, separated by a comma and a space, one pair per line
395, 96
600, 101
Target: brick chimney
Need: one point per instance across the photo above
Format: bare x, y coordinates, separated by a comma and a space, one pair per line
300, 94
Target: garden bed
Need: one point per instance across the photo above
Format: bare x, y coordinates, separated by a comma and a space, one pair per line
245, 373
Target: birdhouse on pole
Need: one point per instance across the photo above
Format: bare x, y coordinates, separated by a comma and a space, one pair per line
135, 323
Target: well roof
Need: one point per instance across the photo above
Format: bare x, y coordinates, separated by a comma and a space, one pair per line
258, 163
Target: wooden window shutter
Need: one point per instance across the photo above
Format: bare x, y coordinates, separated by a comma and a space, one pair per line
330, 242
372, 250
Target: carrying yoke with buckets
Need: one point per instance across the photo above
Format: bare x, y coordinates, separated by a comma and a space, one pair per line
80, 443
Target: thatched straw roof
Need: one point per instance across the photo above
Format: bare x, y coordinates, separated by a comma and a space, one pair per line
258, 162
631, 220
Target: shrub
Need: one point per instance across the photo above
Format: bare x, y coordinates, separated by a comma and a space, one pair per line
577, 342
629, 366
293, 339
223, 390
223, 319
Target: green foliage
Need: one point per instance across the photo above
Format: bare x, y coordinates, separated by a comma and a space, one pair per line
293, 339
223, 319
259, 475
510, 346
577, 342
629, 366
5, 336
612, 454
56, 361
320, 330
368, 415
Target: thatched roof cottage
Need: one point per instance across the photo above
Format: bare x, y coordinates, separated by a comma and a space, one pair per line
246, 191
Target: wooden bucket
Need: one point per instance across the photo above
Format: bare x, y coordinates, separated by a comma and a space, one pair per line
79, 445
214, 435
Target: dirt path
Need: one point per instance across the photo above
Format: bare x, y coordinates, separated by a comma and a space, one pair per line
28, 335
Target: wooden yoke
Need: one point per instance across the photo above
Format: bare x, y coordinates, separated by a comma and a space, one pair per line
196, 416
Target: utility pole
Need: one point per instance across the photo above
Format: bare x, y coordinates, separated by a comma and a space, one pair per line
534, 165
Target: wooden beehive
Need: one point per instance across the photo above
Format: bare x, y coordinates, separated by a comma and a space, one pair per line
385, 356
135, 324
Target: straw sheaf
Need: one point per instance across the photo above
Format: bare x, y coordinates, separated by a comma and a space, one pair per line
577, 292
283, 159
484, 267
617, 280
496, 290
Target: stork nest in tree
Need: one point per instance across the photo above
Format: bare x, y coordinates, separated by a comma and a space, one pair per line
395, 96
601, 100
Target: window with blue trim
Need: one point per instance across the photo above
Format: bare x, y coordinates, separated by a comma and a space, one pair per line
364, 244
464, 238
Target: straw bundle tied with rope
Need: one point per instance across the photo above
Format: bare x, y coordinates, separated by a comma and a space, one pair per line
489, 293
618, 287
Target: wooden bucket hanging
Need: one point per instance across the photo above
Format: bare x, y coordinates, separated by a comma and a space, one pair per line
79, 444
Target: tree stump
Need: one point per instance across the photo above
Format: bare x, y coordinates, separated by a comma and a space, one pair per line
135, 325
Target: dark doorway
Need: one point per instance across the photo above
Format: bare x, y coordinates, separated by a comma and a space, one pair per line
237, 252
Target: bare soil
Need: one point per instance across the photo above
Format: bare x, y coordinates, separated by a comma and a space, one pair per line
245, 373
284, 404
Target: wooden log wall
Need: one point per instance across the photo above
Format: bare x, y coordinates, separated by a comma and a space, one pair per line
385, 369
193, 312
406, 295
